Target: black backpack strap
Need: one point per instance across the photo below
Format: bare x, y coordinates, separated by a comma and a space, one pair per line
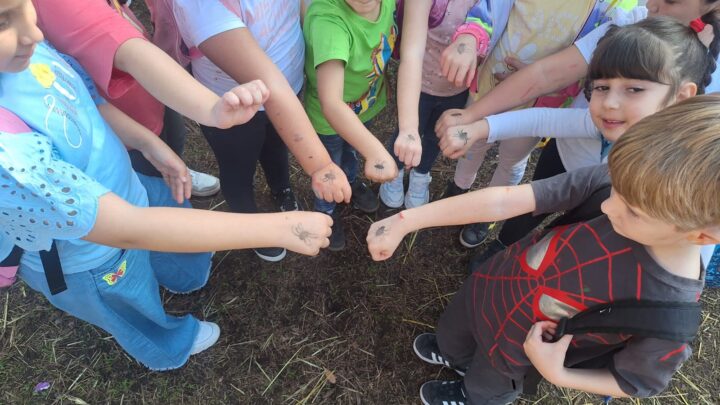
13, 258
675, 321
53, 270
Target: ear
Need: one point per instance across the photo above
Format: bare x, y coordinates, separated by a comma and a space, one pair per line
686, 90
709, 236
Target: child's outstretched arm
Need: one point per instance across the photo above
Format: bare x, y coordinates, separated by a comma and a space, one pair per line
486, 205
379, 165
123, 225
408, 146
548, 358
238, 54
549, 74
135, 136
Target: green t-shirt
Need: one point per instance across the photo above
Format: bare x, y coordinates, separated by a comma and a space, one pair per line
334, 31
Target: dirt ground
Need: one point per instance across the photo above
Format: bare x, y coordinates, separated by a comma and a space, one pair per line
333, 329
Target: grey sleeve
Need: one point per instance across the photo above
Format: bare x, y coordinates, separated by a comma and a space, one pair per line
645, 366
568, 190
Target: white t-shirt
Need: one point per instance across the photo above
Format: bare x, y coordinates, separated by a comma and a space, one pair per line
275, 25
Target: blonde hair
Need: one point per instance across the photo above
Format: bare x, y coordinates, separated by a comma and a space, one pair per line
668, 164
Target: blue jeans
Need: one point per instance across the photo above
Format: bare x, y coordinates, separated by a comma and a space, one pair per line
343, 155
123, 298
178, 272
429, 111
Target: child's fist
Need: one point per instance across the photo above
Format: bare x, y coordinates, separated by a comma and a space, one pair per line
408, 148
384, 237
308, 232
380, 167
331, 184
240, 104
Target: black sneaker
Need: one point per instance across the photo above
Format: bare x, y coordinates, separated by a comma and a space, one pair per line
363, 198
437, 392
271, 254
473, 235
285, 200
481, 257
451, 190
337, 237
426, 348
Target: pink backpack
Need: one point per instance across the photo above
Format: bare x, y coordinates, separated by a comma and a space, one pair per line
10, 123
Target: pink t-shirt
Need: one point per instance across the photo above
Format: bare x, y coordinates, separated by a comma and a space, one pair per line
91, 31
439, 37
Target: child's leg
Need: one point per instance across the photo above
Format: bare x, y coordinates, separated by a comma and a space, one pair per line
122, 297
178, 272
274, 160
483, 385
237, 151
431, 108
467, 166
512, 160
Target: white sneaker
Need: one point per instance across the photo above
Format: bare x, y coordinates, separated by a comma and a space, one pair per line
392, 192
418, 190
207, 334
203, 184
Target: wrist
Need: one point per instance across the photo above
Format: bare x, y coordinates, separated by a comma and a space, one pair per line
480, 37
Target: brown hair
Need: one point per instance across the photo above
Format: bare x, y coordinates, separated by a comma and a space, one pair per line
659, 49
668, 164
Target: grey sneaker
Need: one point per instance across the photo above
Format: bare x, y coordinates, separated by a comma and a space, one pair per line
418, 190
393, 192
203, 184
271, 254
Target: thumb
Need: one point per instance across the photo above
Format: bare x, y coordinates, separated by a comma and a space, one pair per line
514, 63
564, 342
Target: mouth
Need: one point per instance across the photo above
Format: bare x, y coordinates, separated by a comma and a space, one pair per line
611, 124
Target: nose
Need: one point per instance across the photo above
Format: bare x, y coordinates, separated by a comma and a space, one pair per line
652, 6
611, 101
28, 32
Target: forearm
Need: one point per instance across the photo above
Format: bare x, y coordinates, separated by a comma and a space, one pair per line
541, 122
545, 76
132, 134
486, 205
595, 381
123, 225
415, 30
348, 125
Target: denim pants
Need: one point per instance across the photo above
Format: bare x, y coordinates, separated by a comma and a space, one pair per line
123, 298
429, 112
343, 155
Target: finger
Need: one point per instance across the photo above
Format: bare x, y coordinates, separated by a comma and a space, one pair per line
416, 159
231, 99
444, 63
470, 75
338, 195
325, 243
452, 73
245, 97
460, 75
256, 93
501, 76
347, 192
264, 91
564, 341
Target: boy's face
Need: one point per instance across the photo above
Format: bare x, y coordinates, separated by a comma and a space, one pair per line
634, 224
18, 34
682, 10
617, 104
363, 7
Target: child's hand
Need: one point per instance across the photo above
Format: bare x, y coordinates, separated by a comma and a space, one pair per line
385, 236
450, 118
408, 148
240, 104
330, 184
513, 66
456, 141
380, 166
548, 358
459, 61
172, 168
307, 232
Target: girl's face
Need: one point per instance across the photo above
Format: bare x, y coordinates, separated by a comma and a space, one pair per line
682, 10
617, 104
363, 7
18, 34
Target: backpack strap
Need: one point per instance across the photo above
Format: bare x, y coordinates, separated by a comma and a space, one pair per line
11, 123
674, 321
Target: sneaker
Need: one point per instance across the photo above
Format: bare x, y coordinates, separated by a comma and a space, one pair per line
479, 258
418, 190
271, 254
426, 348
451, 190
285, 200
203, 184
207, 334
437, 392
392, 192
473, 235
363, 198
337, 237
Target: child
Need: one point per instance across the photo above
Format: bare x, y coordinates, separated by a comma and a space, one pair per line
109, 42
232, 42
523, 31
427, 28
635, 71
665, 176
349, 43
66, 182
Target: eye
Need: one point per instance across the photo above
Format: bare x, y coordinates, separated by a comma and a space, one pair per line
635, 89
600, 88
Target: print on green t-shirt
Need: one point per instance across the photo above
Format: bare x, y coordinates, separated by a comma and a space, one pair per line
333, 31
